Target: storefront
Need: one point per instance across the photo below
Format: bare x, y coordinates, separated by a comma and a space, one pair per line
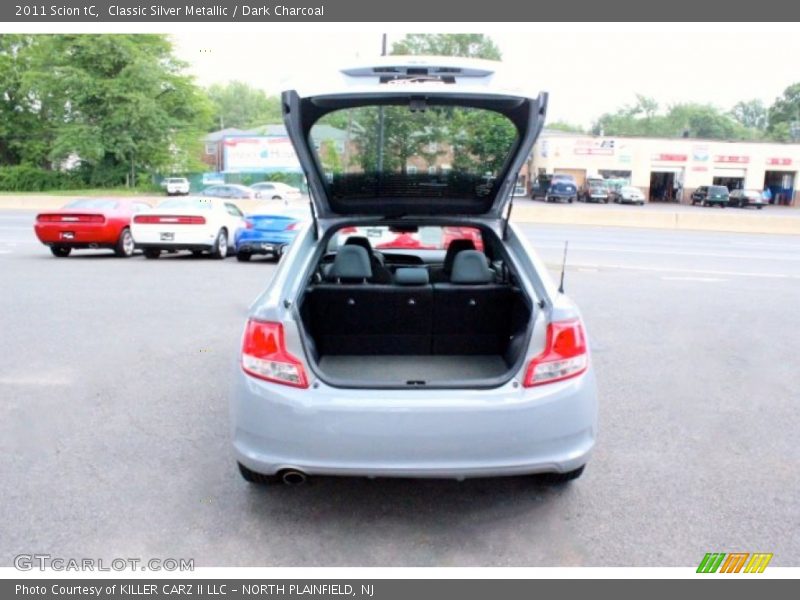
669, 170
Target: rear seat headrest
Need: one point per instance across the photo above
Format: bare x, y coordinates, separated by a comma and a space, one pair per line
411, 276
453, 249
470, 266
351, 262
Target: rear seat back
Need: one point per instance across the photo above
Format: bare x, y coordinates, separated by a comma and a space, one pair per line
471, 313
373, 318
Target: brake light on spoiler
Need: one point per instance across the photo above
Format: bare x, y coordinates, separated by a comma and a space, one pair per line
566, 354
169, 220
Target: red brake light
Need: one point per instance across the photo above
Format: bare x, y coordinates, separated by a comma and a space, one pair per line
264, 355
292, 226
565, 354
248, 224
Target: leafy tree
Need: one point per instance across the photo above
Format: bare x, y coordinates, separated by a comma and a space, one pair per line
470, 45
565, 126
121, 103
783, 112
237, 104
751, 114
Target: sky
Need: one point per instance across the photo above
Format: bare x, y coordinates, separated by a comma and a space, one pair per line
588, 69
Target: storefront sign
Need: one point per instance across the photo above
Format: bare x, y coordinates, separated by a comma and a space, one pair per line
700, 169
668, 158
594, 147
700, 153
740, 160
779, 162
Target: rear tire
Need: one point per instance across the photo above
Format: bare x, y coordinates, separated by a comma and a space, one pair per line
243, 256
60, 251
277, 198
152, 253
220, 249
125, 245
562, 478
257, 478
759, 207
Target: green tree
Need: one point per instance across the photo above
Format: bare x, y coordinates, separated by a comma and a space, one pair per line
751, 114
565, 126
121, 103
783, 112
237, 104
470, 45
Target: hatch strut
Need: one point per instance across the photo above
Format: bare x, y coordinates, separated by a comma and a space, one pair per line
508, 217
313, 215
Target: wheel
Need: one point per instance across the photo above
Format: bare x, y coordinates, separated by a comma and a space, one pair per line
60, 251
197, 253
258, 478
640, 203
558, 478
569, 200
759, 207
125, 245
277, 198
152, 253
605, 201
243, 256
220, 249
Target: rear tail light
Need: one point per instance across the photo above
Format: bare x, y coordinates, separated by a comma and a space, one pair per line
347, 230
565, 355
248, 224
66, 218
264, 355
292, 226
169, 220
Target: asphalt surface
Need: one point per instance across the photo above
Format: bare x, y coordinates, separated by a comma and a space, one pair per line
114, 418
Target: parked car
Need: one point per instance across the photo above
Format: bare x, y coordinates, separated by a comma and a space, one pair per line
487, 373
562, 188
594, 190
176, 186
745, 198
267, 232
710, 195
519, 191
540, 186
233, 191
89, 223
275, 190
191, 223
628, 194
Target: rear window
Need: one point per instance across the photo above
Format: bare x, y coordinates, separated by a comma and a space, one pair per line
382, 237
93, 203
717, 189
396, 152
176, 180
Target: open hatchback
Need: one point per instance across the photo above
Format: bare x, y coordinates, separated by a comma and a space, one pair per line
410, 291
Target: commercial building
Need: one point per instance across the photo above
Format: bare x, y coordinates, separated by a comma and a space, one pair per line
670, 169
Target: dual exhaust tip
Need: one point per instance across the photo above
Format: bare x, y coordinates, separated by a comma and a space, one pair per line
293, 477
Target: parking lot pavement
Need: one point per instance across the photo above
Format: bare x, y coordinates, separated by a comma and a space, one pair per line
114, 419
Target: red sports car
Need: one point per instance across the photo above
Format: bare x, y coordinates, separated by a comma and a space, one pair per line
89, 223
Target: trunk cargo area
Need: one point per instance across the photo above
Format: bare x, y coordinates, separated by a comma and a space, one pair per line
395, 336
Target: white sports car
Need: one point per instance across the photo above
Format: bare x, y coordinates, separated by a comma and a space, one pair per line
196, 224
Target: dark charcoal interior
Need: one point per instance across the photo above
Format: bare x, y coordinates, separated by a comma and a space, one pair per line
469, 328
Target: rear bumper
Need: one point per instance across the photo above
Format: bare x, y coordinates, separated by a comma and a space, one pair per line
261, 242
416, 433
83, 235
185, 237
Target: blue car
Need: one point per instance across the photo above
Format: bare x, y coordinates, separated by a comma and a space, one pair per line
267, 233
562, 189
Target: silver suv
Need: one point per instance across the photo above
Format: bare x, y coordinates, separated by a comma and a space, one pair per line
410, 330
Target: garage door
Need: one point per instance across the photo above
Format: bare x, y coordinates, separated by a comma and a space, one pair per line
578, 174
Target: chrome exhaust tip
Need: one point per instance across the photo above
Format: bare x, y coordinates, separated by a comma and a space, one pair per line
292, 477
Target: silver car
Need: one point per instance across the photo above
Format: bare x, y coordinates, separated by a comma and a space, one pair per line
410, 330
